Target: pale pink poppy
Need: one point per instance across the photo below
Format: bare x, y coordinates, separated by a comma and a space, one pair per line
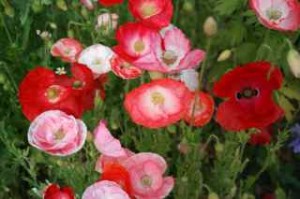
57, 133
88, 4
97, 58
104, 190
282, 15
124, 69
106, 143
105, 160
146, 173
107, 21
67, 49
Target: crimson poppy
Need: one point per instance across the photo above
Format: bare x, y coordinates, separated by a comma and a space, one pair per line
53, 191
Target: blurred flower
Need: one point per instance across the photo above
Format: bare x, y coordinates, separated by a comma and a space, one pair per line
45, 35
96, 57
210, 27
295, 144
105, 189
107, 21
248, 90
88, 4
293, 59
282, 15
109, 2
157, 104
152, 13
224, 55
124, 69
53, 191
146, 171
57, 133
106, 143
67, 49
200, 109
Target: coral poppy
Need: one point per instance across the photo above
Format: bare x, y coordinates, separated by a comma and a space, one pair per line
158, 103
40, 91
153, 13
53, 191
282, 15
110, 2
124, 69
248, 90
136, 43
105, 189
67, 49
146, 173
200, 109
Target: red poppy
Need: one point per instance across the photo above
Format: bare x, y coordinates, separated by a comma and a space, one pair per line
110, 2
158, 103
261, 137
201, 112
53, 191
248, 92
117, 173
153, 13
39, 91
124, 69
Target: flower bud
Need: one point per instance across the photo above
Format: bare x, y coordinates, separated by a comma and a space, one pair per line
37, 6
2, 78
293, 59
213, 195
61, 4
210, 27
219, 148
53, 25
156, 75
188, 6
9, 10
224, 55
248, 196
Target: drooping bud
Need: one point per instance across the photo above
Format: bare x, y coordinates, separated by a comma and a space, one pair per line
210, 26
293, 58
224, 55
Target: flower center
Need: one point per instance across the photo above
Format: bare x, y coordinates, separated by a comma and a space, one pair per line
126, 65
59, 135
67, 51
97, 62
274, 14
148, 10
139, 46
247, 93
146, 181
169, 57
157, 98
52, 93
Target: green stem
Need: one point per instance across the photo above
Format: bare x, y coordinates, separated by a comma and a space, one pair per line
204, 65
6, 29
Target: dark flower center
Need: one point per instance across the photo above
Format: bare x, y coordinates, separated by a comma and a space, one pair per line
274, 14
169, 57
146, 181
247, 93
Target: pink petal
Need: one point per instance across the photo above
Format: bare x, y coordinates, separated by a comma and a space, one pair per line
192, 59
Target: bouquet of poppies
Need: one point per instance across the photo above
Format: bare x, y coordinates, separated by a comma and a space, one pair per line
152, 99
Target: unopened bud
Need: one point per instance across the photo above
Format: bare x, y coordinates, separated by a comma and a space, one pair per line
293, 59
37, 6
53, 25
188, 6
89, 137
61, 4
210, 27
213, 196
156, 75
70, 33
2, 78
224, 55
219, 148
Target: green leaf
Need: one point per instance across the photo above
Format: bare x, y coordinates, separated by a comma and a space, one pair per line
291, 93
287, 106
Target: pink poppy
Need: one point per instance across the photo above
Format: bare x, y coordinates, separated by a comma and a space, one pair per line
174, 53
158, 103
136, 43
107, 21
106, 143
282, 15
103, 190
153, 13
124, 69
57, 133
146, 173
67, 49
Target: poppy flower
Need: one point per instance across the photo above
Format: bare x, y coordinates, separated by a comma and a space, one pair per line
136, 43
282, 15
97, 59
107, 21
200, 109
105, 189
110, 2
153, 13
248, 92
174, 53
146, 172
67, 49
124, 69
158, 103
40, 91
57, 133
117, 173
53, 191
